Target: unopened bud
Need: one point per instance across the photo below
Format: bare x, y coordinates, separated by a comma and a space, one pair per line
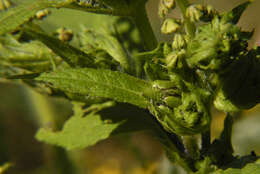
210, 9
178, 42
172, 101
163, 10
42, 13
193, 13
169, 26
171, 59
170, 4
65, 34
167, 49
208, 12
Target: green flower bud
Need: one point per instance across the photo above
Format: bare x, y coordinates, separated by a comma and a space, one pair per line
208, 12
155, 71
210, 9
172, 58
163, 10
172, 101
42, 13
170, 4
165, 6
193, 13
167, 49
65, 34
163, 84
170, 26
178, 42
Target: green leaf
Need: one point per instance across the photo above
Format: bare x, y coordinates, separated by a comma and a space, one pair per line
235, 14
33, 56
252, 168
111, 45
100, 83
73, 56
81, 130
16, 16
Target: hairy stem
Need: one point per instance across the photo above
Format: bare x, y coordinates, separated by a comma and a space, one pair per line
174, 147
190, 27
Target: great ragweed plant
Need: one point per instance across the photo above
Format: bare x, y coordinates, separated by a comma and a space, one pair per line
208, 63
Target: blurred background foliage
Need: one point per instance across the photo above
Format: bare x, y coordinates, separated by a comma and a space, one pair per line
137, 153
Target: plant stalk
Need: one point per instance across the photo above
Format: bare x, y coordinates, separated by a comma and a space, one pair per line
227, 132
143, 24
174, 147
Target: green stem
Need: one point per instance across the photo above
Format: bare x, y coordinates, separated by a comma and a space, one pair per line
191, 146
174, 148
141, 20
227, 132
190, 27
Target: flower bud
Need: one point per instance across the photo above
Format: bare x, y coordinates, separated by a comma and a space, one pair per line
193, 13
170, 4
65, 34
170, 26
163, 10
172, 101
178, 42
42, 13
172, 58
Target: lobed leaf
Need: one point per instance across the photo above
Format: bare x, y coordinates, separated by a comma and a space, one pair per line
33, 56
16, 16
111, 45
80, 132
100, 83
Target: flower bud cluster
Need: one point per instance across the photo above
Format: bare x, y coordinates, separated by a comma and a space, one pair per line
212, 67
180, 111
